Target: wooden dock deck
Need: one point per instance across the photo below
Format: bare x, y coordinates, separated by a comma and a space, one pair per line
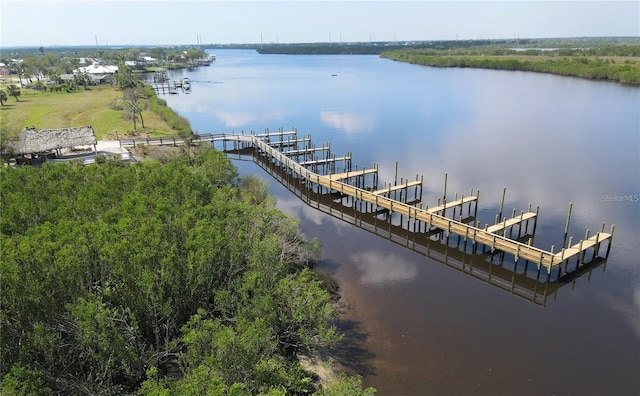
323, 161
504, 225
350, 174
489, 237
453, 204
582, 246
494, 237
305, 151
518, 278
389, 189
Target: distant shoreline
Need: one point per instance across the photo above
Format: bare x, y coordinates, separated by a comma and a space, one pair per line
626, 71
598, 58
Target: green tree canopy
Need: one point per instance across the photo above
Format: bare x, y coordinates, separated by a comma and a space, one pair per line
153, 278
14, 91
135, 101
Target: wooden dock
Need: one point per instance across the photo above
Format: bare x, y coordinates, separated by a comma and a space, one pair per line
350, 174
385, 191
277, 147
520, 278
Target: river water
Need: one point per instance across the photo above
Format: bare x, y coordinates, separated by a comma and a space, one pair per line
414, 324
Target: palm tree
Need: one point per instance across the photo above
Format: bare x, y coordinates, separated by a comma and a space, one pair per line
18, 67
14, 91
80, 79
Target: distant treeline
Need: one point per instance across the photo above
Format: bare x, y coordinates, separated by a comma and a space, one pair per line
369, 47
468, 47
157, 51
67, 58
376, 47
629, 50
607, 58
597, 63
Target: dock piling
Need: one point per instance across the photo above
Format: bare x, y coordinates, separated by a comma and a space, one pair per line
566, 225
504, 192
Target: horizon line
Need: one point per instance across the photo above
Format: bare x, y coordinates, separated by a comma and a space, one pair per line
113, 46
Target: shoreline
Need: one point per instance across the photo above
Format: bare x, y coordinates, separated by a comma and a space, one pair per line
592, 68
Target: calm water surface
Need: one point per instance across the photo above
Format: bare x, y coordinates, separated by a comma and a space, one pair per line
414, 325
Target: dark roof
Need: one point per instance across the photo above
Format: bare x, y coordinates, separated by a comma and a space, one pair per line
31, 140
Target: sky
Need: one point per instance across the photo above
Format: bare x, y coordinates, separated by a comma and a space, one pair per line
172, 22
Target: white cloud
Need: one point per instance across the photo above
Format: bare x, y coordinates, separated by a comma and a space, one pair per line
380, 268
292, 206
630, 310
349, 122
235, 120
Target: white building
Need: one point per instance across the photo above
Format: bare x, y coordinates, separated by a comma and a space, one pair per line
96, 68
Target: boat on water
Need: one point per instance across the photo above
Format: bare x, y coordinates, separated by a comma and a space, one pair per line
204, 61
186, 82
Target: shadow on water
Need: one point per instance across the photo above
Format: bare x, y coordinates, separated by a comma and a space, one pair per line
330, 266
350, 353
521, 279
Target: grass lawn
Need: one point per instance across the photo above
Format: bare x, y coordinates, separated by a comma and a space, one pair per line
62, 109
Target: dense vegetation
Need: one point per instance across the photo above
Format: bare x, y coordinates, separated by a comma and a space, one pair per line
157, 278
467, 47
159, 106
610, 62
368, 48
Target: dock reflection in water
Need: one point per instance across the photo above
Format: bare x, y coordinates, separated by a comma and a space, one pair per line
520, 278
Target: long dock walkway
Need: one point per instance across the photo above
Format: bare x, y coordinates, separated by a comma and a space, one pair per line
495, 236
495, 269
